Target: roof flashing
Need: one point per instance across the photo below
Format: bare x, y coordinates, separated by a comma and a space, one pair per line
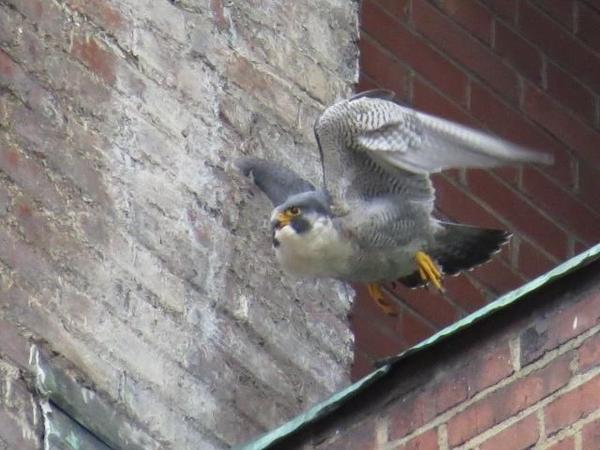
332, 403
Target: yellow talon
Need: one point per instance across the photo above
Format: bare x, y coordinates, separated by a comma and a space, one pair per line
428, 270
376, 294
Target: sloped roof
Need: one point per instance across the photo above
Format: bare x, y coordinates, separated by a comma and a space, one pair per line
328, 406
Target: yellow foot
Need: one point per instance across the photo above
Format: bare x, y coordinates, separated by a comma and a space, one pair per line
428, 270
384, 303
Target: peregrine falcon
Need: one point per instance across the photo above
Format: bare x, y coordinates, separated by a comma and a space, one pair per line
372, 220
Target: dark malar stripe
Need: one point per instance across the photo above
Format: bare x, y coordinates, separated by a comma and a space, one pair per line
300, 225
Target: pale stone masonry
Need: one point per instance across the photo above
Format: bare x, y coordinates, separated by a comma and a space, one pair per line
132, 255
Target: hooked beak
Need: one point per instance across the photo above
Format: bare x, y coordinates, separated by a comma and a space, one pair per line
281, 220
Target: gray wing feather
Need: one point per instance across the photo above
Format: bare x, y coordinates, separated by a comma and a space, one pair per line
276, 181
377, 156
387, 224
368, 143
422, 143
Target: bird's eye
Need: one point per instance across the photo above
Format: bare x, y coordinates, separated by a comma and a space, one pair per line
294, 210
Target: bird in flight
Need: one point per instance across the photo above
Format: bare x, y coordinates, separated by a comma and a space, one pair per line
371, 221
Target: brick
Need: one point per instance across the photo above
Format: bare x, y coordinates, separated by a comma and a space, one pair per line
583, 139
95, 57
62, 75
397, 8
7, 67
424, 441
590, 435
48, 17
258, 82
510, 174
362, 365
22, 118
524, 216
413, 328
548, 333
34, 9
5, 201
369, 338
570, 92
488, 368
364, 306
460, 206
479, 371
588, 25
559, 45
471, 15
498, 276
428, 303
518, 52
21, 400
402, 331
560, 204
579, 247
413, 51
461, 47
29, 174
589, 185
572, 406
34, 226
506, 9
507, 401
39, 135
24, 87
532, 262
567, 443
589, 353
427, 98
16, 434
511, 124
43, 231
520, 435
218, 15
560, 10
12, 344
465, 293
366, 83
361, 437
449, 393
383, 68
413, 411
102, 13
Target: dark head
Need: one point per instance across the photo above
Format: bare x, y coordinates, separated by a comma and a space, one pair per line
300, 211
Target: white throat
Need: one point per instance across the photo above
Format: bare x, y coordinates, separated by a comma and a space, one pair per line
319, 252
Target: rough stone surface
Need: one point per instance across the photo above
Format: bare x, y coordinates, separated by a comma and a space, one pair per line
129, 244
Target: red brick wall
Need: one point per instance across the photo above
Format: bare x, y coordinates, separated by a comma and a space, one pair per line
526, 70
528, 377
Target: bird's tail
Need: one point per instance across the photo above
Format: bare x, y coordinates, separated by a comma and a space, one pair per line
462, 247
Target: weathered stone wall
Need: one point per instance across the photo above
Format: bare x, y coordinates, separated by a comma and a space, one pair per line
129, 247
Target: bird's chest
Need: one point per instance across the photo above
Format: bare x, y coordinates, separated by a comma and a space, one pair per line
319, 252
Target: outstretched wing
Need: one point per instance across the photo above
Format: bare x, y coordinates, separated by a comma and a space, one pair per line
276, 181
400, 143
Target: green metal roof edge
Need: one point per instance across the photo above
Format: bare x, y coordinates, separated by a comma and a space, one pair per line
337, 399
313, 413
